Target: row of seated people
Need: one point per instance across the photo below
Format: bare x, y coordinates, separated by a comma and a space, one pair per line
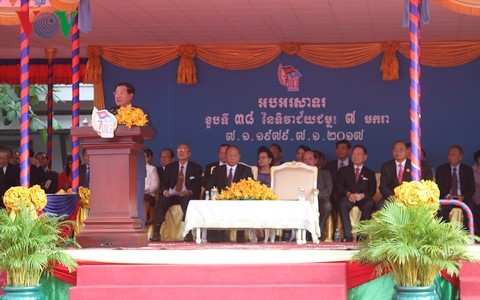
365, 190
40, 173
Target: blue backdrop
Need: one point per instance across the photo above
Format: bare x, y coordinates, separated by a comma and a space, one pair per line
251, 108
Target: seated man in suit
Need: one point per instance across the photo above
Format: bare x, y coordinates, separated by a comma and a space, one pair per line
324, 186
37, 174
181, 182
210, 167
356, 186
51, 181
167, 156
342, 152
455, 181
397, 170
9, 173
223, 176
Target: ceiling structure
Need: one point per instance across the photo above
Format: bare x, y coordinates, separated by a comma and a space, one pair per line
175, 22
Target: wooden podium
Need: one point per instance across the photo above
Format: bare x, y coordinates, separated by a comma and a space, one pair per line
113, 219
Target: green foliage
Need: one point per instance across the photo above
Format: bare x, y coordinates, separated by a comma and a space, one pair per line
412, 244
30, 245
10, 104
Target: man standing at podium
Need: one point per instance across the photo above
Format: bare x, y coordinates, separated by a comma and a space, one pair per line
181, 182
124, 93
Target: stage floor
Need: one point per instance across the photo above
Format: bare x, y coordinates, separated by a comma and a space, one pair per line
225, 253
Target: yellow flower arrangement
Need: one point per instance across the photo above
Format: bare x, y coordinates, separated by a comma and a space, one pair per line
131, 116
33, 198
418, 193
247, 189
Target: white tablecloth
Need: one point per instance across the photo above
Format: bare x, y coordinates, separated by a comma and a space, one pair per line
246, 214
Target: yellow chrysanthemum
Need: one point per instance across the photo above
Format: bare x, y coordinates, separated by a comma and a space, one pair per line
38, 197
418, 193
131, 116
33, 198
247, 189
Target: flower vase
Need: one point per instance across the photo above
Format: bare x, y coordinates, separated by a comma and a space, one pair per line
415, 293
24, 293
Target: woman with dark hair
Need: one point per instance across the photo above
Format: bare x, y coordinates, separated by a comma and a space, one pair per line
300, 151
264, 163
65, 178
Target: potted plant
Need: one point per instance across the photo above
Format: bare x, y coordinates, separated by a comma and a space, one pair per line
30, 244
406, 239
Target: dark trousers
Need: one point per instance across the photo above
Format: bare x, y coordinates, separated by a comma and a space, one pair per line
366, 206
164, 204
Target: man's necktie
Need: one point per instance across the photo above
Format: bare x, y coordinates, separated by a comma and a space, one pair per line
342, 164
179, 185
86, 181
454, 186
230, 177
357, 174
400, 173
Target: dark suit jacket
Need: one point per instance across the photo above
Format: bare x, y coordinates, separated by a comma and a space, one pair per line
160, 171
81, 173
193, 178
219, 176
389, 180
37, 176
324, 184
332, 167
367, 184
467, 181
51, 182
9, 179
209, 168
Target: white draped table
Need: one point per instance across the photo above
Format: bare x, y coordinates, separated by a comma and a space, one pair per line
252, 214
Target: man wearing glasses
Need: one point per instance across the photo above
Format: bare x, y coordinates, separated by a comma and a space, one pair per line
181, 182
124, 93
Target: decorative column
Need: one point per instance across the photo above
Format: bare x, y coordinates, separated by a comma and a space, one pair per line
75, 101
24, 99
50, 53
415, 112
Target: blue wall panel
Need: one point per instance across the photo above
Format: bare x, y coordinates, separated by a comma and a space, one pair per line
450, 105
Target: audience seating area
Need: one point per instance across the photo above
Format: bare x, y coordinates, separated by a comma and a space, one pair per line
171, 229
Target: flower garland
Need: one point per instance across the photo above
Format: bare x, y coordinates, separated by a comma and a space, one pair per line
247, 189
33, 198
131, 116
83, 194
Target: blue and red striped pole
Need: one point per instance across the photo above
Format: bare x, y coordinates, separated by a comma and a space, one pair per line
75, 101
24, 100
50, 52
415, 131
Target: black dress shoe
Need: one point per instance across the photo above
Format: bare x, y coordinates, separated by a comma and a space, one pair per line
188, 237
155, 239
156, 234
347, 239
